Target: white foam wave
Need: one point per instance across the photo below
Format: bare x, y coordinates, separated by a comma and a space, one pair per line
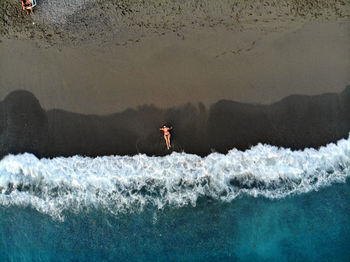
128, 184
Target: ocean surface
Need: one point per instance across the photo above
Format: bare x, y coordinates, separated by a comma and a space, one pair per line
263, 204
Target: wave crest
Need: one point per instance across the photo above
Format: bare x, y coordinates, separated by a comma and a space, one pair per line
128, 184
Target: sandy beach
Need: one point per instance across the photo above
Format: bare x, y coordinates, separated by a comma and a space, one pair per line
266, 52
257, 93
97, 60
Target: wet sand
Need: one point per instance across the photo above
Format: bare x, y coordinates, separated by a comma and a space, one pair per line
295, 122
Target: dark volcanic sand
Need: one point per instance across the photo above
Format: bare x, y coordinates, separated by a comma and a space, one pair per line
305, 58
296, 121
107, 56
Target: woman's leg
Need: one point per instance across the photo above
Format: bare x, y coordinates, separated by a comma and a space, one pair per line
166, 141
169, 141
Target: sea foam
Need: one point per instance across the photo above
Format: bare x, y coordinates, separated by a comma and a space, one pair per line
119, 184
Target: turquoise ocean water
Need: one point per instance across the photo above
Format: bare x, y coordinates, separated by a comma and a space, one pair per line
264, 204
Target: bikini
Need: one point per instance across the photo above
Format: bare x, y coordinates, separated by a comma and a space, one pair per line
166, 131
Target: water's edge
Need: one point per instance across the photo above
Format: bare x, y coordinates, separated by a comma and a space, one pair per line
124, 184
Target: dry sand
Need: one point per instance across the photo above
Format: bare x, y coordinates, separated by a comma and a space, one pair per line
107, 56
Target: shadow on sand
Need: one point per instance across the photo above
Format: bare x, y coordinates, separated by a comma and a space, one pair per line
296, 122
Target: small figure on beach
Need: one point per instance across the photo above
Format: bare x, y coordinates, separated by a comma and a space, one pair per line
166, 131
27, 5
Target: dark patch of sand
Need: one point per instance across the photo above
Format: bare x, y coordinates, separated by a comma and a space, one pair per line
295, 122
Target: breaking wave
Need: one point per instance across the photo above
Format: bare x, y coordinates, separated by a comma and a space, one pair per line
119, 184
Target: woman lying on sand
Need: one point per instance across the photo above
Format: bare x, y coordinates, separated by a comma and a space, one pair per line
166, 130
26, 4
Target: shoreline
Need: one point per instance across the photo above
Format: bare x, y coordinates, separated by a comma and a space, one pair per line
257, 93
